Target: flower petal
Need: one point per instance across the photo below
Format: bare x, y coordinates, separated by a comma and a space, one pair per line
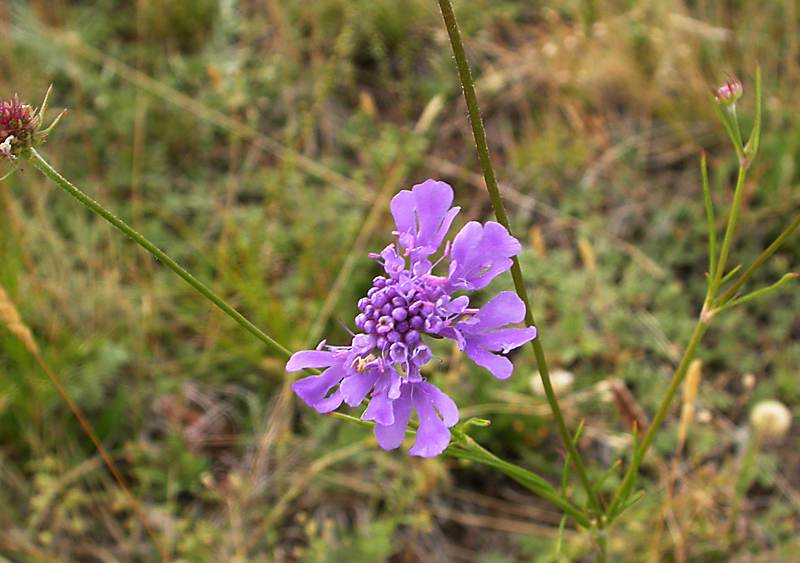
380, 410
330, 403
481, 253
355, 387
499, 366
503, 340
433, 211
310, 359
444, 404
503, 309
403, 206
433, 435
313, 390
390, 436
423, 216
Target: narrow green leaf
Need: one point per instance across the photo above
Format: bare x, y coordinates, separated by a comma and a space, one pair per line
712, 229
609, 472
760, 292
568, 460
751, 148
633, 500
727, 277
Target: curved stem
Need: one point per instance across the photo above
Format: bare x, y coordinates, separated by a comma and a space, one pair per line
44, 167
467, 448
475, 452
482, 146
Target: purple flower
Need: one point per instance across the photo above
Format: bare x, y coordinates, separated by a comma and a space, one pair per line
409, 302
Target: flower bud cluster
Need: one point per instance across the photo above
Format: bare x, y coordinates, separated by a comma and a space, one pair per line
21, 126
18, 123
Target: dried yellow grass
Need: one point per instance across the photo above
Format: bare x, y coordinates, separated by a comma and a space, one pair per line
690, 388
11, 319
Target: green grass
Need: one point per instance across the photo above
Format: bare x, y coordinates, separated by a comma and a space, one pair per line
251, 140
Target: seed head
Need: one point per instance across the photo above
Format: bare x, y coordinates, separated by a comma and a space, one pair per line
771, 419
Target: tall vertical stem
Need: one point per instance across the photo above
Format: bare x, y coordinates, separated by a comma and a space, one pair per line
482, 146
733, 217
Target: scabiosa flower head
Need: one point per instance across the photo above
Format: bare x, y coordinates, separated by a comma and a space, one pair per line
18, 123
21, 126
413, 300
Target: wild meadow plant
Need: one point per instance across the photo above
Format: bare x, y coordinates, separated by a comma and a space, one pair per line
423, 295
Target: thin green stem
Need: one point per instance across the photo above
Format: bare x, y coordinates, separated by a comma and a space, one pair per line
482, 146
733, 218
737, 132
467, 448
475, 452
730, 293
602, 542
658, 419
44, 167
725, 117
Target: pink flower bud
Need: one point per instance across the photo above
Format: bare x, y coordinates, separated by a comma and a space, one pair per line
730, 92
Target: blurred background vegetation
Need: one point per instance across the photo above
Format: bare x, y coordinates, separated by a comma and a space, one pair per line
259, 142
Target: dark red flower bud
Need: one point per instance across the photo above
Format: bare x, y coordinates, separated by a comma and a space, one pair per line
18, 123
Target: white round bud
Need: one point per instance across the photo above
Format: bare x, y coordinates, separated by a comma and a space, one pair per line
771, 419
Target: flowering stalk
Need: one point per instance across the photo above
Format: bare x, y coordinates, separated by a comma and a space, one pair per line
714, 304
482, 146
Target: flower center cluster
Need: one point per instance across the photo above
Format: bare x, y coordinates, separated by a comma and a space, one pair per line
396, 312
394, 316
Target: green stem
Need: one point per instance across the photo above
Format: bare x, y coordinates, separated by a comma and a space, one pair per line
475, 452
482, 146
467, 448
730, 293
602, 543
733, 217
44, 167
663, 408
